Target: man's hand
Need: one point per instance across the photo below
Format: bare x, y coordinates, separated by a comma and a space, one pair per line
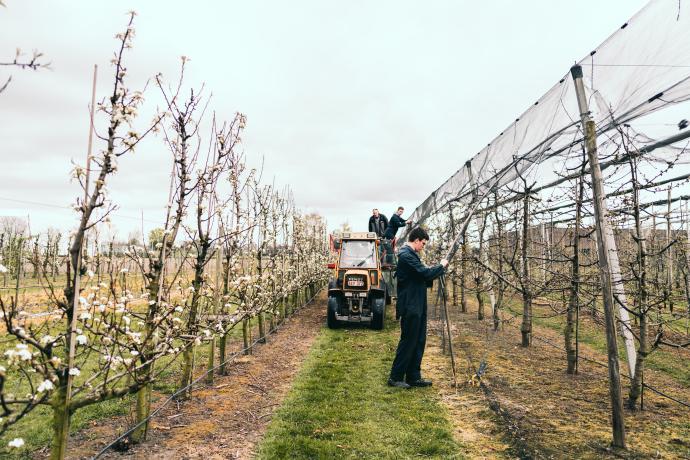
444, 263
409, 222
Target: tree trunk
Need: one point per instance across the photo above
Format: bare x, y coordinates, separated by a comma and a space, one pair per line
526, 327
641, 277
61, 422
463, 274
221, 353
571, 345
642, 352
143, 409
245, 337
499, 256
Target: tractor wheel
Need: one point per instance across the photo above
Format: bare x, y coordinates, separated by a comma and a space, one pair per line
331, 320
378, 317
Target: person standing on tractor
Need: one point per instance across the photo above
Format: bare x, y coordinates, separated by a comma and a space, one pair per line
378, 223
413, 279
395, 223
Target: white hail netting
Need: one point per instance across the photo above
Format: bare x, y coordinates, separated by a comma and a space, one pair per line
643, 67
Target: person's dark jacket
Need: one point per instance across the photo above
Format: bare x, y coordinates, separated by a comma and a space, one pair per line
394, 224
381, 227
413, 279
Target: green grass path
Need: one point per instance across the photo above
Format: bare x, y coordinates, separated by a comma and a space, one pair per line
340, 407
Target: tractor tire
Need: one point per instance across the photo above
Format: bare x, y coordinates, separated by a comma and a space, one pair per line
331, 321
378, 317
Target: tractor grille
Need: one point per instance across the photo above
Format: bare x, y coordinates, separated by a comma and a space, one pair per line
356, 282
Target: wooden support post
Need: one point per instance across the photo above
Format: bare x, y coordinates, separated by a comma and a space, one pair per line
604, 239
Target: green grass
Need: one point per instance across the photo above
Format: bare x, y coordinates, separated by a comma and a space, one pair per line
340, 407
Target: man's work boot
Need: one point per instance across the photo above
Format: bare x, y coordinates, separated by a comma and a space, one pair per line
419, 383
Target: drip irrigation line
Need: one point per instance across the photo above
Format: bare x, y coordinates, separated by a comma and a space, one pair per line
58, 206
194, 382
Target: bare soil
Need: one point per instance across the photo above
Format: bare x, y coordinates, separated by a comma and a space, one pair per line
225, 420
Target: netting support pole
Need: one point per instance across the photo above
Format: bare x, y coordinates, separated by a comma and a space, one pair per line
603, 243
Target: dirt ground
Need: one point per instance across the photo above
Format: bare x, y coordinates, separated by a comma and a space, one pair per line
226, 420
545, 413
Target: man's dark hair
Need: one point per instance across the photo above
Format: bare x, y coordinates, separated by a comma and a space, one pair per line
400, 207
418, 233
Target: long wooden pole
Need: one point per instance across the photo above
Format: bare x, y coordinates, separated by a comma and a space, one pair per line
77, 276
601, 216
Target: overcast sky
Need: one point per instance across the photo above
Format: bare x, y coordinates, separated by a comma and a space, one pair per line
353, 104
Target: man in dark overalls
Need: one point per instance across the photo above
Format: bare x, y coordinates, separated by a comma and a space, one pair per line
413, 279
395, 223
378, 223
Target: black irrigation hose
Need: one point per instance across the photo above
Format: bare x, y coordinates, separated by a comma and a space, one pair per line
202, 377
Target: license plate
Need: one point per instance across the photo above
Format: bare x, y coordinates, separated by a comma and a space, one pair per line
355, 282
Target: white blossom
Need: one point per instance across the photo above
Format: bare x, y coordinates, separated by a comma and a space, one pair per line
3, 269
74, 371
16, 442
46, 385
82, 340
